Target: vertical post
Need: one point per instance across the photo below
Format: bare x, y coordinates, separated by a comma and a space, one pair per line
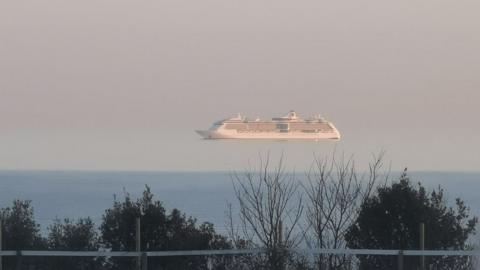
19, 260
137, 243
144, 261
422, 245
400, 260
1, 242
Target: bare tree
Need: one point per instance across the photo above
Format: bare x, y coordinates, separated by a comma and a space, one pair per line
335, 190
270, 208
239, 241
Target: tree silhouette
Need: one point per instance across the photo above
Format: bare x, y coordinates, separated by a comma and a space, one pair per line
159, 231
390, 220
20, 232
73, 236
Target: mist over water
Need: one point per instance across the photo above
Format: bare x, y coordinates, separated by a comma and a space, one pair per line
122, 85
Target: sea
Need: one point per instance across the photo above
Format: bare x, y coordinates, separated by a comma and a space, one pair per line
202, 195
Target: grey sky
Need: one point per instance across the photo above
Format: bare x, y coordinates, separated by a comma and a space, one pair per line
123, 84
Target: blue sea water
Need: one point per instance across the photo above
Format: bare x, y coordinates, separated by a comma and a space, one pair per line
203, 195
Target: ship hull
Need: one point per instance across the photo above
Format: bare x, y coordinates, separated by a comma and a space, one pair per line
214, 135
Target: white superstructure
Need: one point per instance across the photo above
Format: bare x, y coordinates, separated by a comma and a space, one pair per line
287, 127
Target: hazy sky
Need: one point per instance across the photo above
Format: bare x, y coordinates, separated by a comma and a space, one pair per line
118, 84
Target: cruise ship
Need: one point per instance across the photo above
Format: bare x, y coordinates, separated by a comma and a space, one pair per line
288, 127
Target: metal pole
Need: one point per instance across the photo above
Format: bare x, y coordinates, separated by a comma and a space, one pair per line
137, 243
400, 260
422, 245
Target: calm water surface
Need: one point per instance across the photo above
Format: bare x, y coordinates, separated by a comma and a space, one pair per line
204, 195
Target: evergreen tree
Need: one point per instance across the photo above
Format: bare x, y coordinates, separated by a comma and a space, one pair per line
20, 232
159, 231
390, 220
73, 236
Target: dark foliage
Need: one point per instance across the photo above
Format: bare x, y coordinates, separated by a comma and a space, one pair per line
73, 236
159, 231
20, 232
390, 220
